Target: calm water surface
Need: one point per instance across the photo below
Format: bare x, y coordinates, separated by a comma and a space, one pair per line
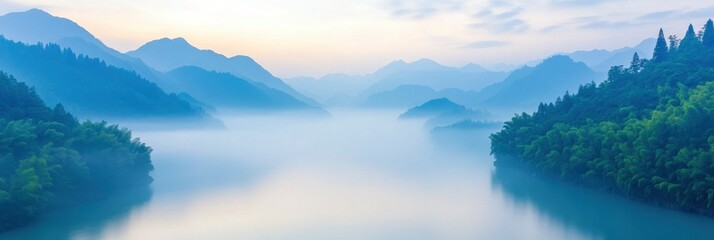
358, 175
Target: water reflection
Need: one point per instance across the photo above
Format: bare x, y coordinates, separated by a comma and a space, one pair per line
86, 221
472, 141
359, 175
599, 215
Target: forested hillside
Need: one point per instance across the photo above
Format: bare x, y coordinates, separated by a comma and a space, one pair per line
87, 86
49, 159
646, 133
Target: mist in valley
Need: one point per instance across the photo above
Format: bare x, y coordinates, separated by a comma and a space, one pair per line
480, 130
359, 174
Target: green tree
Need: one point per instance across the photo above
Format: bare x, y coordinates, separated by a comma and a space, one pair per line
661, 52
636, 63
708, 35
646, 133
690, 41
46, 154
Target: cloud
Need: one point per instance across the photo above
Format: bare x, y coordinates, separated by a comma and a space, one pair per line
507, 14
510, 25
551, 28
500, 3
675, 14
576, 3
647, 18
486, 44
702, 12
500, 17
657, 15
607, 24
421, 9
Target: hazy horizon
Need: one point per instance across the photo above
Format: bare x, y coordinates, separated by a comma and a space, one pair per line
120, 118
316, 38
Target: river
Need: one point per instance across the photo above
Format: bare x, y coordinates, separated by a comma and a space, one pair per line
357, 175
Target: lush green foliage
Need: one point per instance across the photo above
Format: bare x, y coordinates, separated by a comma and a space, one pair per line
647, 132
48, 158
661, 51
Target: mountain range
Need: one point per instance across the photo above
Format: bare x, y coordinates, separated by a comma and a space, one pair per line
167, 54
429, 73
602, 60
333, 89
35, 26
522, 88
87, 86
542, 83
471, 84
224, 90
205, 78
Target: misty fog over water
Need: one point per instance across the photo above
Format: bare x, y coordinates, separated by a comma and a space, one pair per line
356, 175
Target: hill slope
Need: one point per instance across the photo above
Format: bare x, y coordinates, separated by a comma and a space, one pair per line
646, 133
88, 86
224, 90
442, 112
168, 54
544, 82
602, 60
35, 26
49, 159
432, 108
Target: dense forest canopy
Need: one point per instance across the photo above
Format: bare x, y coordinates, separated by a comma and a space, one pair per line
88, 86
647, 132
48, 158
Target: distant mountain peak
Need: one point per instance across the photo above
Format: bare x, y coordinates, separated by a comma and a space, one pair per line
243, 58
441, 100
168, 54
558, 59
423, 64
425, 61
36, 25
397, 63
472, 67
647, 44
37, 11
173, 42
181, 41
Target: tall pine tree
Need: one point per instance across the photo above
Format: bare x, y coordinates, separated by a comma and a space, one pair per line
708, 37
690, 40
661, 52
636, 64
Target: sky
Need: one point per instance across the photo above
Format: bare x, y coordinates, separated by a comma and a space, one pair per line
318, 37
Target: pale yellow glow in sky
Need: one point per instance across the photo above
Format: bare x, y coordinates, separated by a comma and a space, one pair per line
317, 37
